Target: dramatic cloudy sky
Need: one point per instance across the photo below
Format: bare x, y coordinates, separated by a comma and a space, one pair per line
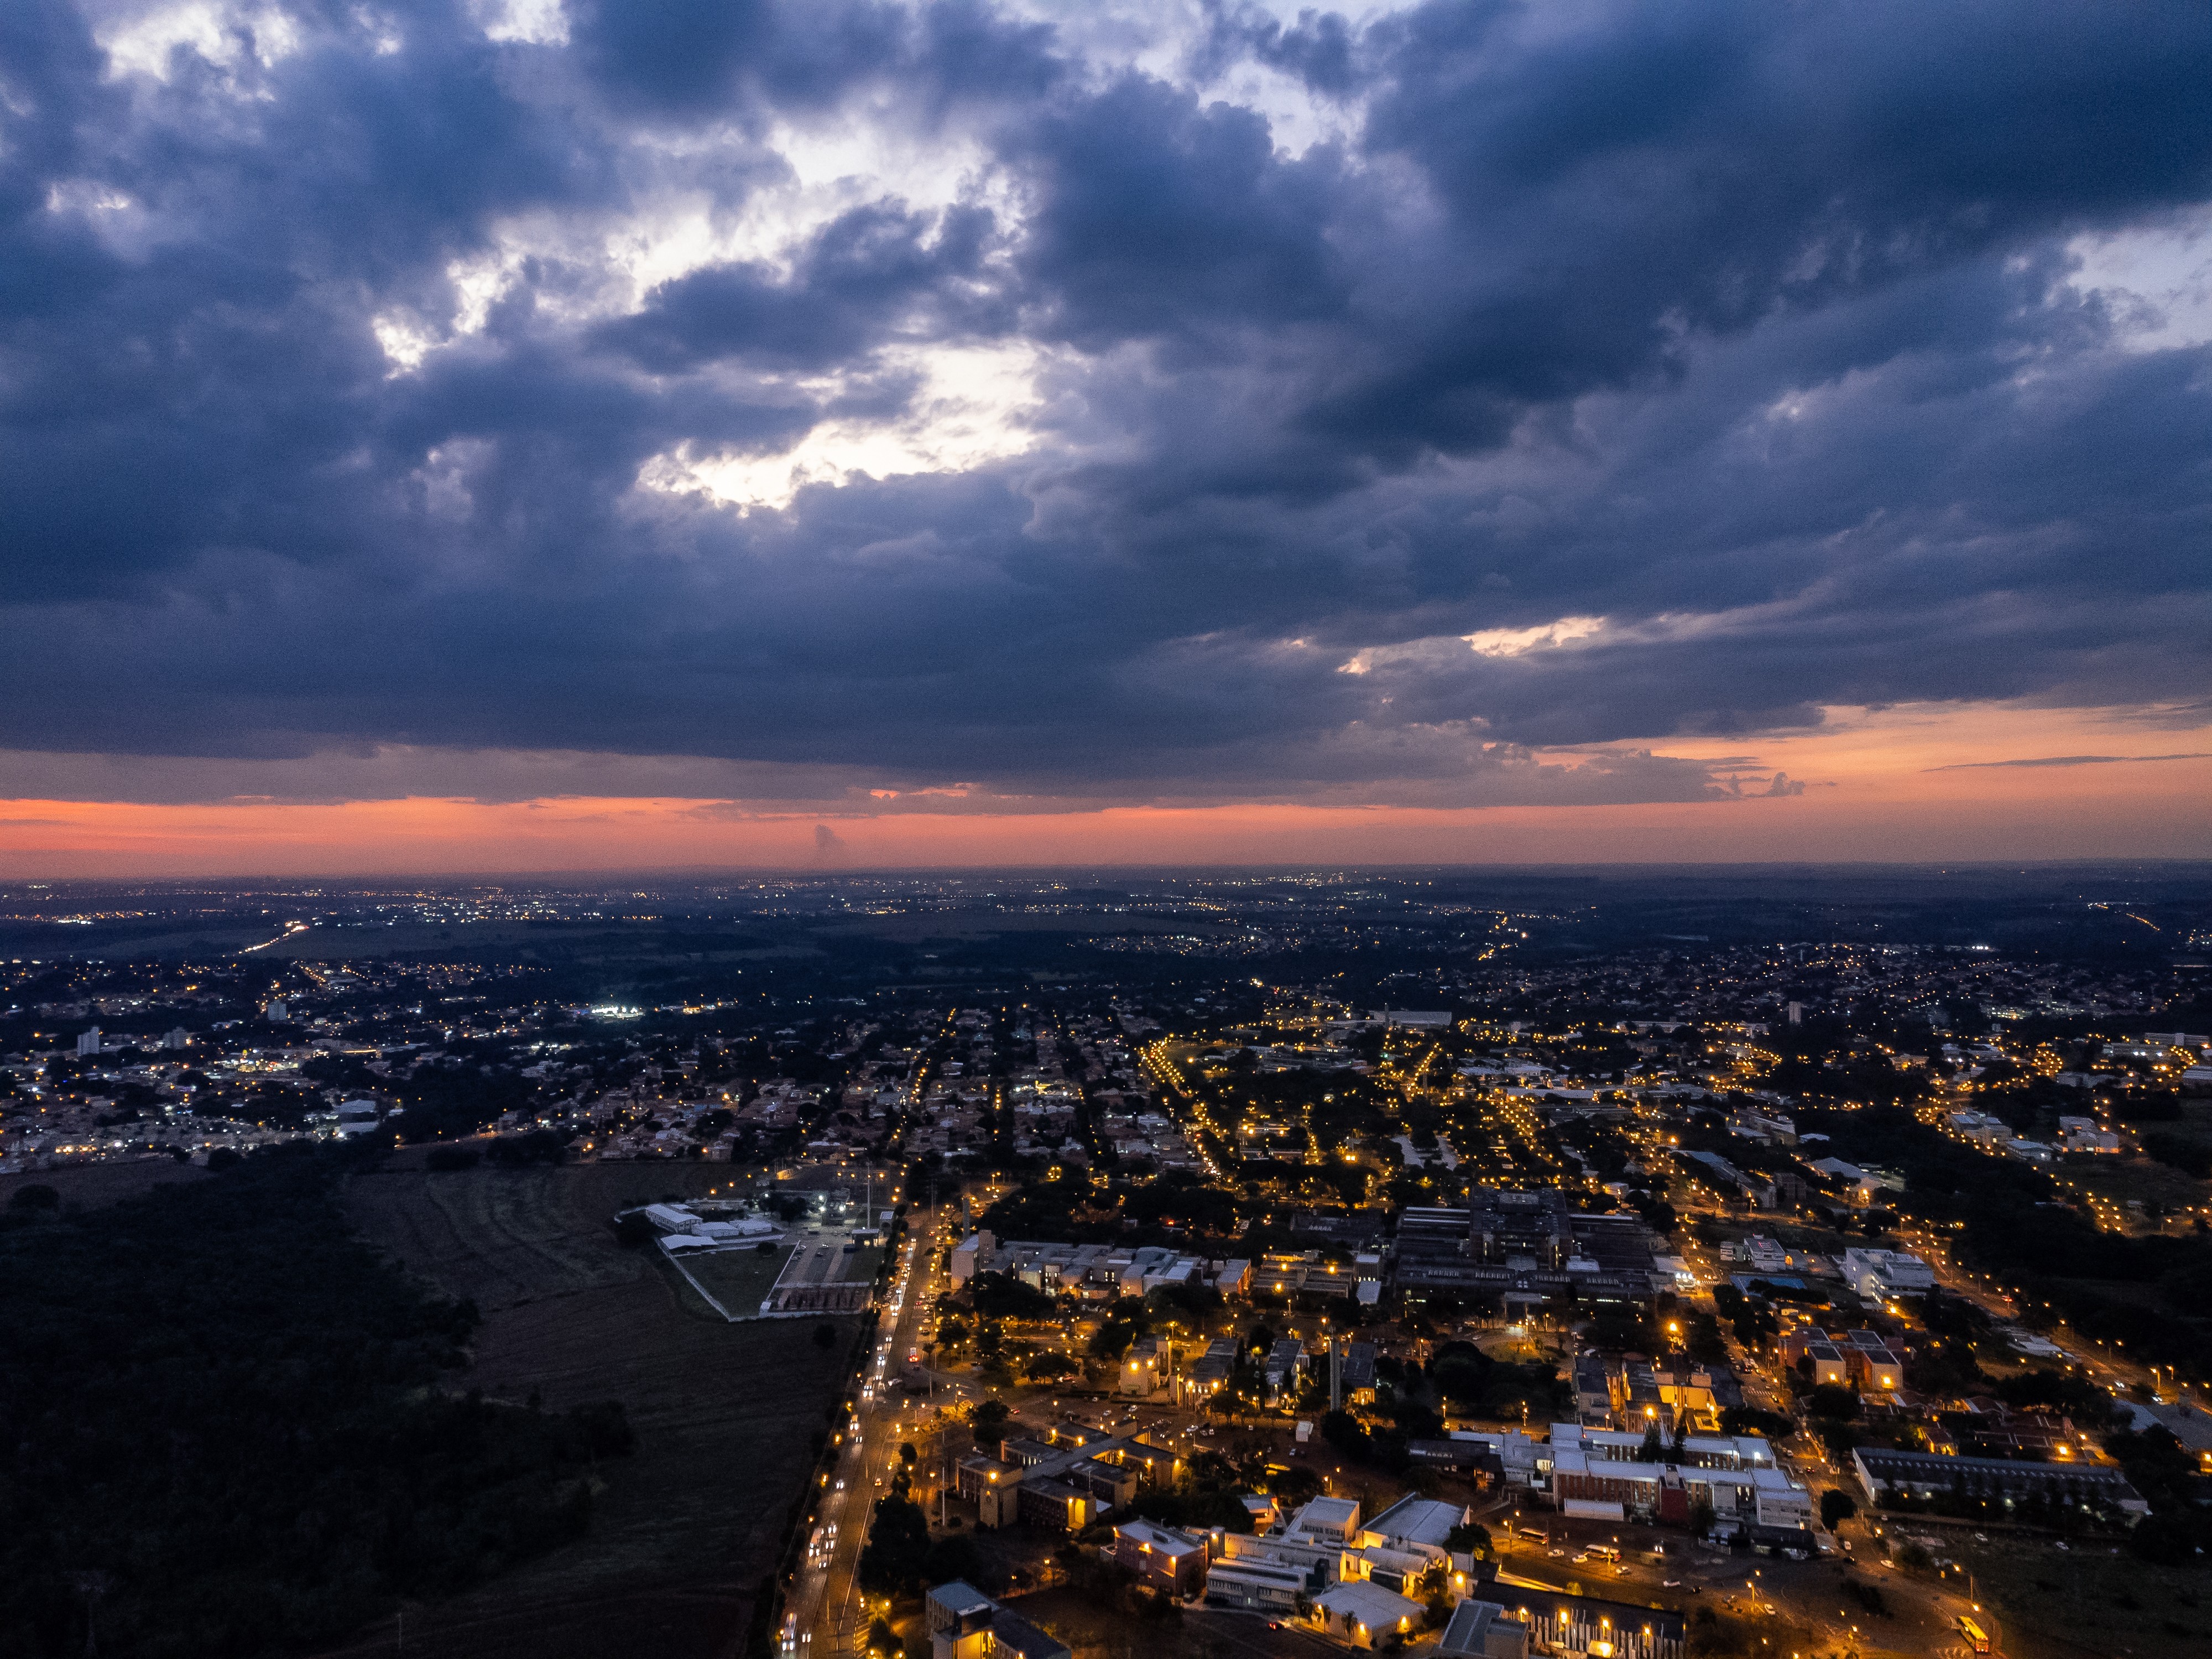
545, 433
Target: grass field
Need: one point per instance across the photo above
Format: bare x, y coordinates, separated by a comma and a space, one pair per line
92, 1185
726, 1415
2088, 1601
739, 1279
2119, 1180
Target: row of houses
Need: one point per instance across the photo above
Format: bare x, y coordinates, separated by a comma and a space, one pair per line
1861, 1360
1610, 1475
1371, 1582
1096, 1273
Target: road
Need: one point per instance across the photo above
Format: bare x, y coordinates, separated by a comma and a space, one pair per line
826, 1615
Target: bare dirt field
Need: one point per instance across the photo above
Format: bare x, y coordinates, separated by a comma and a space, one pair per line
726, 1415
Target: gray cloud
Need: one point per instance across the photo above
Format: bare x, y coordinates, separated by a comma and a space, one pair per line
332, 368
2067, 760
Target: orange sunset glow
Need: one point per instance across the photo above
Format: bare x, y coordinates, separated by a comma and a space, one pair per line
1878, 787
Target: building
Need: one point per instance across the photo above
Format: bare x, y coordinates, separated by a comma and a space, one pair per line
1285, 1365
1512, 1457
87, 1043
963, 1623
1354, 1372
1883, 1474
1094, 1272
1584, 1625
1875, 1367
2085, 1134
1417, 1524
1878, 1275
1521, 1251
1210, 1372
1252, 1584
1813, 1354
1144, 1369
1483, 1630
1601, 1474
945, 1606
1327, 1521
1173, 1563
1365, 1614
1054, 1504
1062, 1483
1313, 1564
988, 1484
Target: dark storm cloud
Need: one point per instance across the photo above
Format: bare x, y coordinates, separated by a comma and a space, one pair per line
859, 281
329, 371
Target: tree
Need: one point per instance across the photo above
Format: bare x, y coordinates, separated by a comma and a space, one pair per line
896, 1556
1836, 1505
882, 1639
1470, 1538
906, 1453
989, 1421
36, 1196
825, 1336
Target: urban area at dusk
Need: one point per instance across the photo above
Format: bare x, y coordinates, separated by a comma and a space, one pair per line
1105, 829
1475, 1263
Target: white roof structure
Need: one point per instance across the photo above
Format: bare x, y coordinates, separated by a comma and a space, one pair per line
1338, 1517
1373, 1607
1157, 1539
1418, 1521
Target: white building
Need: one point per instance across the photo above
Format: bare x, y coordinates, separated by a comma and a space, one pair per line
1365, 1614
1880, 1275
1327, 1521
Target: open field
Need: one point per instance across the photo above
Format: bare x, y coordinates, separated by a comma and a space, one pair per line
92, 1185
2090, 1600
2158, 1186
726, 1415
739, 1279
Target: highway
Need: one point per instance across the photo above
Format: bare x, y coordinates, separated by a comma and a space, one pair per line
825, 1614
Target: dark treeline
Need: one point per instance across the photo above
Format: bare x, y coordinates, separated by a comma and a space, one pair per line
225, 1435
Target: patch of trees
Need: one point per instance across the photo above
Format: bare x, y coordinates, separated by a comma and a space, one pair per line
899, 1558
1126, 1319
1355, 1441
445, 1099
1754, 1326
520, 1152
1066, 1211
1465, 1376
2177, 1532
2193, 1158
1749, 1419
225, 1419
1208, 1496
1001, 1296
